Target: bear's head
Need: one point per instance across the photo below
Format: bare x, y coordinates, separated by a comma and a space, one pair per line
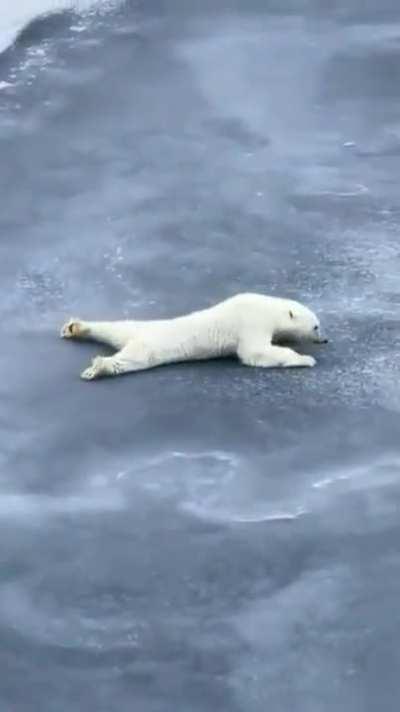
300, 323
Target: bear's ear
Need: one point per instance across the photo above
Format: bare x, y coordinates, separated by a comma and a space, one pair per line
291, 314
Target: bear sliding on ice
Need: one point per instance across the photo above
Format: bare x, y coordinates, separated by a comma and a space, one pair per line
246, 325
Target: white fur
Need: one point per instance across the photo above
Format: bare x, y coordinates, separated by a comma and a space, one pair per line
245, 325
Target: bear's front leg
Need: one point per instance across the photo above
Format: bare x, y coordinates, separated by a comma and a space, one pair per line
274, 357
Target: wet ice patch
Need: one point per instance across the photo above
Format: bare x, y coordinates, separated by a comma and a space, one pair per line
33, 507
21, 16
319, 180
253, 514
383, 472
15, 16
213, 485
222, 487
291, 642
40, 618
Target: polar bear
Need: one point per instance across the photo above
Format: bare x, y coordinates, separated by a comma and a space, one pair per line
245, 325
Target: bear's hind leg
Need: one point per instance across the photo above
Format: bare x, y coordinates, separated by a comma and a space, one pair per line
74, 329
113, 333
129, 359
102, 366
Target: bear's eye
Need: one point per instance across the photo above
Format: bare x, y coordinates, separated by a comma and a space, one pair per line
316, 327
